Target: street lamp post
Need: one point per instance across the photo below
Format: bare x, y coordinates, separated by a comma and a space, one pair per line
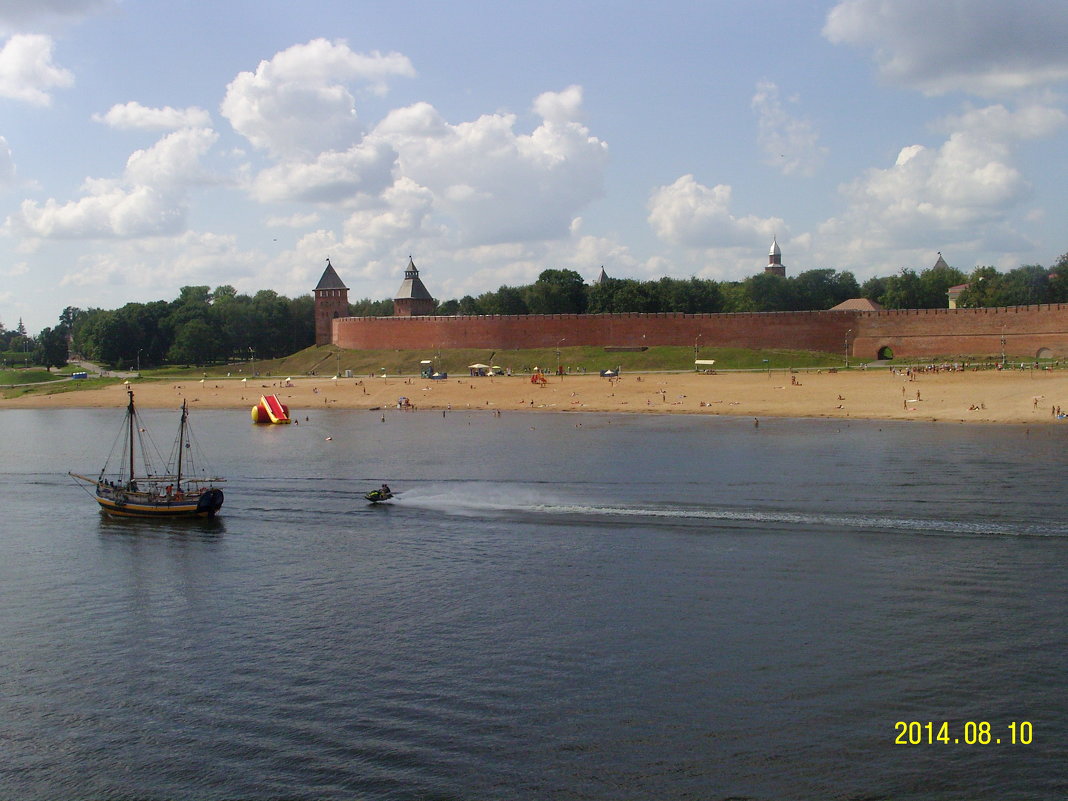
559, 363
848, 333
252, 360
696, 350
338, 354
139, 362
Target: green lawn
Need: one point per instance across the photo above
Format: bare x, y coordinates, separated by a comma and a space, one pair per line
28, 375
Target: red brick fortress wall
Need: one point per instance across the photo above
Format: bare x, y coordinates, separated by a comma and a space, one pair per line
945, 332
908, 333
822, 331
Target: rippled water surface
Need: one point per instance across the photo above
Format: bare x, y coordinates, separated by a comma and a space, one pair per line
555, 606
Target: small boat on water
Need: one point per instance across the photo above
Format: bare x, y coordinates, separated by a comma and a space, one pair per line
180, 488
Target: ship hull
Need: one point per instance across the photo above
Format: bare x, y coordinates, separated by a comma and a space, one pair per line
204, 505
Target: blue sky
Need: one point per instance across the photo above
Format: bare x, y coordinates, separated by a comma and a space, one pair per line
145, 146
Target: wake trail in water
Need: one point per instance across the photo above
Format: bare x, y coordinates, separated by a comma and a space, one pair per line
483, 500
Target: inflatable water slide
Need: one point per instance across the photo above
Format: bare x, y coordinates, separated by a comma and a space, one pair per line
270, 410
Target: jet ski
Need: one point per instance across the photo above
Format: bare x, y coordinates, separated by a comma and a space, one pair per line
379, 495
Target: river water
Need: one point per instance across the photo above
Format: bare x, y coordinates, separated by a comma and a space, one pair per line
555, 606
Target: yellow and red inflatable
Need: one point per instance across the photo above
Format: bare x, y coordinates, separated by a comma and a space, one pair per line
270, 410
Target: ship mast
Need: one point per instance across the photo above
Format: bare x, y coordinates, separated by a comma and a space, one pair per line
130, 416
181, 447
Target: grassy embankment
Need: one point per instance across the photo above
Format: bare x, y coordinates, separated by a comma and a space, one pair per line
327, 360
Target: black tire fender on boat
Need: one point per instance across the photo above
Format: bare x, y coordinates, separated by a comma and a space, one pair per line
211, 500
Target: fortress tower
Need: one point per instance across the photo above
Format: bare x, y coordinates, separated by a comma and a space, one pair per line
775, 266
331, 300
412, 299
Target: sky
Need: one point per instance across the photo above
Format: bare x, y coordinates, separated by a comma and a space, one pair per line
148, 145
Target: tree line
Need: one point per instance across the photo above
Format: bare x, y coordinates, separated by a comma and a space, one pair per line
564, 292
202, 326
199, 327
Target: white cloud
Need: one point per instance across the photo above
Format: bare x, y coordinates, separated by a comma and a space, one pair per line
174, 161
560, 107
162, 265
590, 253
149, 200
27, 72
985, 47
965, 190
405, 210
297, 105
999, 124
7, 164
294, 221
789, 143
691, 215
332, 177
133, 115
495, 184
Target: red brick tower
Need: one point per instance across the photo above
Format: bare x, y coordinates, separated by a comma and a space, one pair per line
775, 266
331, 301
413, 299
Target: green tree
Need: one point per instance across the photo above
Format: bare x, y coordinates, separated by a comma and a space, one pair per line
934, 286
688, 296
557, 292
1027, 285
301, 326
903, 291
510, 301
985, 289
875, 289
636, 296
371, 308
817, 290
736, 298
196, 342
51, 350
600, 298
768, 292
449, 308
1058, 281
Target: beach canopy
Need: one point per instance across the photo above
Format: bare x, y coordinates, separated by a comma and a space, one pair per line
478, 367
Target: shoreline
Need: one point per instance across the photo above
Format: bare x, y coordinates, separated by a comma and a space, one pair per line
1009, 397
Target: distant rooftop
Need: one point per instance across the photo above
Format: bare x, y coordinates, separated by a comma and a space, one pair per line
857, 304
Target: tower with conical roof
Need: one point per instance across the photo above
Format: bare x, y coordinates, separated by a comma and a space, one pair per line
775, 266
413, 299
331, 302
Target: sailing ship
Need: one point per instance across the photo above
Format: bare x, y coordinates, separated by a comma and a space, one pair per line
134, 489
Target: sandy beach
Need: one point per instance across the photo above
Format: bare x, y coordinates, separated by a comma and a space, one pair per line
1018, 396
